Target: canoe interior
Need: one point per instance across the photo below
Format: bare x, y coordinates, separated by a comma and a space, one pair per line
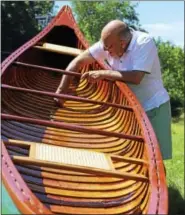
62, 191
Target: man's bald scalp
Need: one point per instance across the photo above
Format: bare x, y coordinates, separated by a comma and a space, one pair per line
115, 28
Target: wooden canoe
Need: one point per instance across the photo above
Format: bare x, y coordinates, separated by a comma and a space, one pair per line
101, 153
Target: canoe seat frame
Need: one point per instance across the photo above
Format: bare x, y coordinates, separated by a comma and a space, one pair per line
112, 172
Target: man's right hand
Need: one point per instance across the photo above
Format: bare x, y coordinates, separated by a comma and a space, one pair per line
83, 59
58, 102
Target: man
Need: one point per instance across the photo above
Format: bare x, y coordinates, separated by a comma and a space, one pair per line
133, 58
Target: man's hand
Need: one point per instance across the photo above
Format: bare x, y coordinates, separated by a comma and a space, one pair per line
58, 102
93, 76
132, 77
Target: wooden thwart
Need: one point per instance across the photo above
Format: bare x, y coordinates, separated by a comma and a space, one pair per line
77, 128
59, 49
128, 176
27, 144
50, 69
78, 160
65, 96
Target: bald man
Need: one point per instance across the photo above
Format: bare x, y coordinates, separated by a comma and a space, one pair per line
132, 58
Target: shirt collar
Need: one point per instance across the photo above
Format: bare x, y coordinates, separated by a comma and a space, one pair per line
132, 40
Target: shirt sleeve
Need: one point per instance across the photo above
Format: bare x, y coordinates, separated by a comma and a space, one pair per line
144, 55
97, 51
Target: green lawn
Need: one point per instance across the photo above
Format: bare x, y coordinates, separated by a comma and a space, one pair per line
175, 170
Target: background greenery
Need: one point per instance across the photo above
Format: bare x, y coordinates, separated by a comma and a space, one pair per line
18, 21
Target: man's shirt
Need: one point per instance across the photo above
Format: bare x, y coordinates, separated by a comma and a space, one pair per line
140, 55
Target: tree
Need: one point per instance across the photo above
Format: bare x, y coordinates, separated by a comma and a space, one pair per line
172, 67
19, 23
92, 16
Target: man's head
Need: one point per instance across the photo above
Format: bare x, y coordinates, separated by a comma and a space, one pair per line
115, 36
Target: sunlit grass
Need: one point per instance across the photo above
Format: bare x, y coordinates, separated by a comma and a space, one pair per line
175, 170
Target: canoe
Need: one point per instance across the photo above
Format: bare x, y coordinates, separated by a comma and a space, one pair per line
97, 154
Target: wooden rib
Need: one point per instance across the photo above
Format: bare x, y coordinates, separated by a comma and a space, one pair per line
69, 185
114, 157
62, 142
91, 200
70, 127
64, 96
130, 176
62, 137
95, 194
12, 97
61, 71
59, 49
18, 143
128, 159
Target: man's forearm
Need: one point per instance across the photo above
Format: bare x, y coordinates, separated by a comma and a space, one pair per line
65, 81
133, 77
82, 59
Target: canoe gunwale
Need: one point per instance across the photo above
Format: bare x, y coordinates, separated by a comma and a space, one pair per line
159, 194
24, 199
158, 201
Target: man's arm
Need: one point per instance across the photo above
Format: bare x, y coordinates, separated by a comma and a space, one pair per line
142, 61
133, 77
76, 63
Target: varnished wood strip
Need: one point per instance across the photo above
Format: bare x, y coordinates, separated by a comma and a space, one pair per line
50, 69
58, 200
70, 127
114, 157
82, 194
128, 159
59, 49
128, 176
64, 96
67, 176
53, 183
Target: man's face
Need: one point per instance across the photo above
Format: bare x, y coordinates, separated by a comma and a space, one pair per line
114, 45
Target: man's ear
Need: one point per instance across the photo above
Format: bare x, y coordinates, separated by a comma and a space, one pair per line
122, 43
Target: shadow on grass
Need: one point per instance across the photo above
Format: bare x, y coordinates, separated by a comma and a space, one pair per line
178, 119
176, 202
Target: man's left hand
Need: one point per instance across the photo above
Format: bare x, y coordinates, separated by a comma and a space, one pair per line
93, 76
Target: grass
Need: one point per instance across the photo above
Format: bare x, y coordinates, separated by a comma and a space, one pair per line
175, 170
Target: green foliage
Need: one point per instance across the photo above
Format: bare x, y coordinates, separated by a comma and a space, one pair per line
93, 16
19, 23
175, 170
172, 66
